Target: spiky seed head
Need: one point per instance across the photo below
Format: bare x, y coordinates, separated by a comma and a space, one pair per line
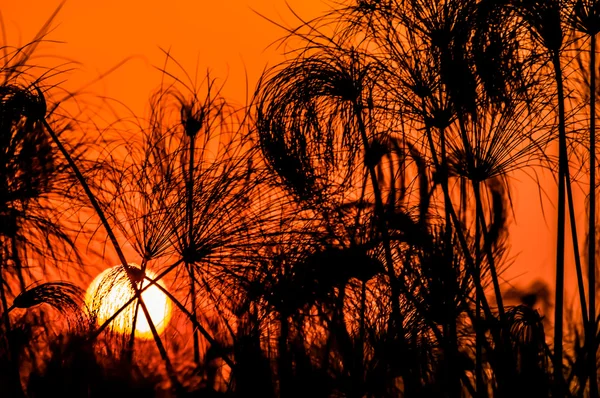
586, 17
192, 121
38, 106
27, 156
134, 272
61, 295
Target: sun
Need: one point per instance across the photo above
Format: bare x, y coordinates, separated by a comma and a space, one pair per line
111, 289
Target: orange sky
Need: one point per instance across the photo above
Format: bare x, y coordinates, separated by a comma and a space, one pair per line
228, 38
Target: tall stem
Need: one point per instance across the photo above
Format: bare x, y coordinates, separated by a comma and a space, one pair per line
115, 243
487, 246
451, 338
362, 330
560, 235
381, 223
479, 215
478, 299
190, 222
462, 240
591, 335
575, 242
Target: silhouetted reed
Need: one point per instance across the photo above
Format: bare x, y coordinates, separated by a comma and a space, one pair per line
343, 234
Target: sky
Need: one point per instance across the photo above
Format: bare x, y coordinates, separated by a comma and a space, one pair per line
229, 38
234, 42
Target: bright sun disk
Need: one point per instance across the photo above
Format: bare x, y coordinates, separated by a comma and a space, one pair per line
111, 289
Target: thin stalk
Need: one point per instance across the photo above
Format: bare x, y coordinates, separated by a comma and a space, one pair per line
479, 215
190, 222
591, 334
560, 234
504, 373
198, 326
380, 217
132, 334
115, 243
451, 336
478, 300
464, 247
397, 323
459, 232
490, 256
362, 331
444, 167
575, 240
463, 244
578, 268
134, 322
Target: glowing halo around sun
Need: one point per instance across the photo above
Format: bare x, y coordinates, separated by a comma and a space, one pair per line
111, 289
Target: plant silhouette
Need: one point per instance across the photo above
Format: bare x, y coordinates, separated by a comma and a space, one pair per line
342, 234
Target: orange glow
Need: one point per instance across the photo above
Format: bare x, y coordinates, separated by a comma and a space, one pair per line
234, 42
111, 289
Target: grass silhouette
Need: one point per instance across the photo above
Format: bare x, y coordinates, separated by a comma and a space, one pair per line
343, 234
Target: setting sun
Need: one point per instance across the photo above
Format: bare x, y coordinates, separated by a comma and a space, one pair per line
110, 290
